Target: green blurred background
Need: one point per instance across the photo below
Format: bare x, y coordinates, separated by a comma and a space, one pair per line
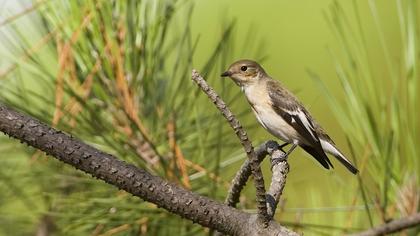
352, 63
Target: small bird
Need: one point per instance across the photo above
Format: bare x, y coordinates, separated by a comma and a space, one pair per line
281, 113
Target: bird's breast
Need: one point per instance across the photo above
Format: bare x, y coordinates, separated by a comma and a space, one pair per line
260, 102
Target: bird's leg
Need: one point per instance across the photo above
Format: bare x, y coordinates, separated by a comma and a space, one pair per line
275, 159
290, 150
283, 145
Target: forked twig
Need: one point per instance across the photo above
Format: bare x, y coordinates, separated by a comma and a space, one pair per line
242, 176
246, 143
279, 167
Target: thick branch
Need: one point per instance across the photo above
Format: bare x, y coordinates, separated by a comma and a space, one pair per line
138, 182
393, 226
245, 141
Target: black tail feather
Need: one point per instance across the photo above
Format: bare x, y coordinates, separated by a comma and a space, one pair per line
348, 165
320, 157
325, 162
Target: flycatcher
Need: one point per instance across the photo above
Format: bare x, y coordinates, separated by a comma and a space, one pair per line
281, 113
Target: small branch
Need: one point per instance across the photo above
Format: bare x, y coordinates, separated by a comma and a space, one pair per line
246, 143
136, 181
280, 169
242, 176
393, 226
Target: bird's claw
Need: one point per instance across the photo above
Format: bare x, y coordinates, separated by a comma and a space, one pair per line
276, 152
277, 157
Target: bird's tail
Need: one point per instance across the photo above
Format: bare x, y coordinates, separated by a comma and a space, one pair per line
346, 163
330, 148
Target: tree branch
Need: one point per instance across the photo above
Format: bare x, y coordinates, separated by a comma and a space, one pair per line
245, 141
393, 226
242, 176
138, 182
280, 169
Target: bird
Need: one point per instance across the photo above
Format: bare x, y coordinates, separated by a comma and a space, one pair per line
283, 115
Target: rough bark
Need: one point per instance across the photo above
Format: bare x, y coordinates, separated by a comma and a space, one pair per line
138, 182
246, 143
280, 169
392, 226
242, 176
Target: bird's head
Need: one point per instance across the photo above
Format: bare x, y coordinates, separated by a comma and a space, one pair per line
244, 72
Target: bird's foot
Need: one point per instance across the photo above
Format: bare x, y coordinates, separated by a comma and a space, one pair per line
276, 152
277, 157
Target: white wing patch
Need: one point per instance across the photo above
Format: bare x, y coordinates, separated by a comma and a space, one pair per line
302, 116
327, 147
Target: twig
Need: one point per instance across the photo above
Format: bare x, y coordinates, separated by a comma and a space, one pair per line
246, 143
280, 169
136, 181
242, 176
393, 226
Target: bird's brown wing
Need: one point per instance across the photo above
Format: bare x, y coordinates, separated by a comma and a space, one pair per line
289, 108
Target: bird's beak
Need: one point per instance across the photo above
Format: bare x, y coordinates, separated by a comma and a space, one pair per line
226, 74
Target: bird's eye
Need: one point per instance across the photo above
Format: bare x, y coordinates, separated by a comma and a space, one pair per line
244, 68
